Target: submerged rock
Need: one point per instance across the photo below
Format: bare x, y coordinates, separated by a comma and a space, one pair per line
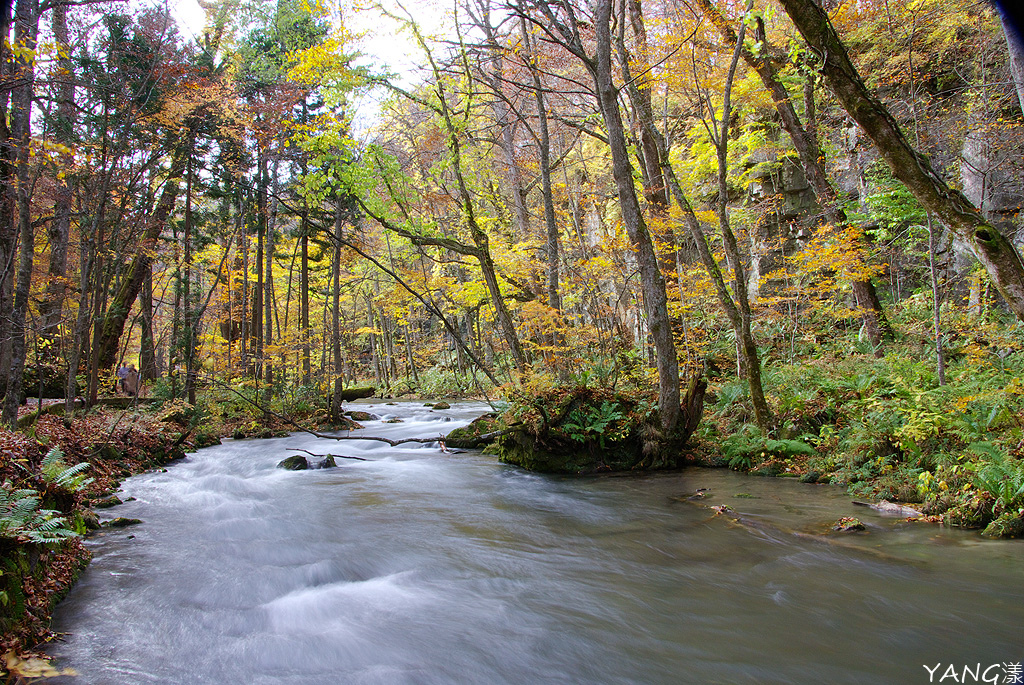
294, 463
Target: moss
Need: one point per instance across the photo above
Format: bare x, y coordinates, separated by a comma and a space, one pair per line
469, 436
1008, 525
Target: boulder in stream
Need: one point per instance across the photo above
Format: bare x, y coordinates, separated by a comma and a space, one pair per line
479, 432
848, 524
296, 462
326, 463
442, 405
121, 522
362, 416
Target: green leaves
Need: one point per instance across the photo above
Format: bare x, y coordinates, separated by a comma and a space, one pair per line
23, 521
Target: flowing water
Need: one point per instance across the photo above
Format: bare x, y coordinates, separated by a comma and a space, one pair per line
418, 566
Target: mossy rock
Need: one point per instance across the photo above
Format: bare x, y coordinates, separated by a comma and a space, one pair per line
204, 439
90, 520
107, 502
394, 420
442, 405
352, 394
587, 429
1008, 525
238, 434
121, 522
469, 436
294, 463
106, 452
362, 416
810, 477
848, 524
769, 469
327, 462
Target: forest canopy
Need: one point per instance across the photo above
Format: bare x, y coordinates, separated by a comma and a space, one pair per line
634, 193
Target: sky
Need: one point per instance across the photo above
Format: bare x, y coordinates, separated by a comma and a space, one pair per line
383, 44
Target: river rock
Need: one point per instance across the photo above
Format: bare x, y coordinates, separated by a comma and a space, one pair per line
326, 463
442, 405
472, 435
107, 502
362, 416
294, 463
121, 522
394, 419
90, 520
848, 524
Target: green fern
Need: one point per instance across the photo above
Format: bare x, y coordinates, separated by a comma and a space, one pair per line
23, 521
57, 473
1001, 477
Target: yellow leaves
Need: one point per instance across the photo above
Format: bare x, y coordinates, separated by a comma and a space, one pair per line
31, 667
327, 62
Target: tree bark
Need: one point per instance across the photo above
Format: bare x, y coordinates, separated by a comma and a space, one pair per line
913, 169
652, 281
26, 32
51, 306
120, 306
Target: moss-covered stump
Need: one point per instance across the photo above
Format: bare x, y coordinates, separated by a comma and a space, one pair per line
479, 432
585, 430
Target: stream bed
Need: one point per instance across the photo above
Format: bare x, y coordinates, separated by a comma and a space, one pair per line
419, 566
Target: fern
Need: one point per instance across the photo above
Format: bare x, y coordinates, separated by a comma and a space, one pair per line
57, 473
1001, 477
22, 520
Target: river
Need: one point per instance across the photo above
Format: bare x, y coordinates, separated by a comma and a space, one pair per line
419, 566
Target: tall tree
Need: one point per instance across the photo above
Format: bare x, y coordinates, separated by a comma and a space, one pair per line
561, 24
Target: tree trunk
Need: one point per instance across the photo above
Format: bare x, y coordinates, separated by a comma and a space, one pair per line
51, 306
652, 282
120, 306
307, 373
544, 144
995, 252
147, 349
26, 32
